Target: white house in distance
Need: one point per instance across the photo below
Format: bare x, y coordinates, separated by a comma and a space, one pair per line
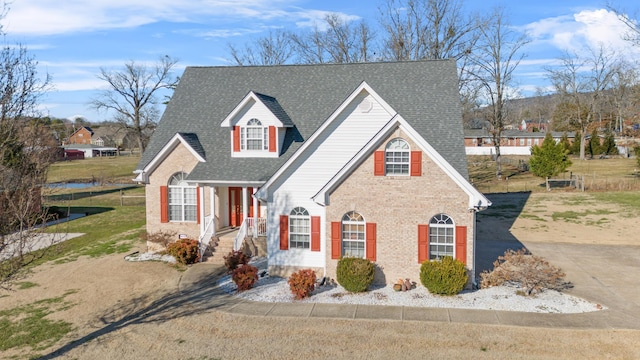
322, 161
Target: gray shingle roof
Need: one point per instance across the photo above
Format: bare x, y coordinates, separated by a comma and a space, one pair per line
425, 93
272, 104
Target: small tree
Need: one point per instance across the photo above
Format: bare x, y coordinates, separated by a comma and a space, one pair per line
609, 145
575, 145
550, 159
564, 141
593, 146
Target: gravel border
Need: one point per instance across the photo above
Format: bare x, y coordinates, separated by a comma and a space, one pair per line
503, 298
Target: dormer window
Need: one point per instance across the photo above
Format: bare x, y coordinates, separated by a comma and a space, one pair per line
258, 127
254, 136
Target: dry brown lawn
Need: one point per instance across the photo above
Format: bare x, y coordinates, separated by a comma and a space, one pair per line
124, 310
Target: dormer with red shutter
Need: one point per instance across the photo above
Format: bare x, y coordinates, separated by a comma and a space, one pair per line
257, 126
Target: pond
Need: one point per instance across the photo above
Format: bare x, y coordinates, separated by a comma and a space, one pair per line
81, 185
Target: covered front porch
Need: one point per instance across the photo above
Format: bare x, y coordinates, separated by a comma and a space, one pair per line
225, 207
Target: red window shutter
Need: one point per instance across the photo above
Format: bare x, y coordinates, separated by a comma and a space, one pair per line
236, 138
272, 139
198, 205
416, 163
370, 246
461, 243
336, 240
284, 232
315, 233
378, 163
423, 243
164, 204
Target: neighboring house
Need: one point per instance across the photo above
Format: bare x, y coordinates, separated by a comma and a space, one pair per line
109, 135
326, 161
81, 136
88, 151
533, 125
513, 142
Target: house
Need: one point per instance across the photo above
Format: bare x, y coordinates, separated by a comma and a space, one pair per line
324, 161
81, 136
513, 142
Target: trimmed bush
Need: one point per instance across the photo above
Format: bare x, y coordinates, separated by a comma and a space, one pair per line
235, 259
302, 283
355, 274
245, 277
447, 276
184, 250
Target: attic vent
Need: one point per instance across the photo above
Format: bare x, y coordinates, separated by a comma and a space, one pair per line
365, 106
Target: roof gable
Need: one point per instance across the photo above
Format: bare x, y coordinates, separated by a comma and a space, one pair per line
189, 140
476, 199
309, 145
251, 100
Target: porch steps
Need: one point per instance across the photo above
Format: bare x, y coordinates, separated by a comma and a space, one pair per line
220, 246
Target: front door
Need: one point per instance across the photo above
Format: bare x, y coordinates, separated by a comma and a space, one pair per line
236, 206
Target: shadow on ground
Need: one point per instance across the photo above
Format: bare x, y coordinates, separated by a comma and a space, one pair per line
199, 296
493, 234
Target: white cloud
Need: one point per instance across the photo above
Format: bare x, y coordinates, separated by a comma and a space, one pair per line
44, 17
584, 29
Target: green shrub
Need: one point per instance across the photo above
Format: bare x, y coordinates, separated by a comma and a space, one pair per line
245, 277
445, 277
355, 274
184, 250
302, 283
235, 259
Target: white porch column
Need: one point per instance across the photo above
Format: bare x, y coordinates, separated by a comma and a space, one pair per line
212, 209
245, 198
201, 209
255, 213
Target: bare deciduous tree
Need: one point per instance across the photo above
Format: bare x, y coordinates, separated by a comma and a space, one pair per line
274, 49
335, 40
581, 82
633, 26
26, 151
497, 55
131, 95
433, 29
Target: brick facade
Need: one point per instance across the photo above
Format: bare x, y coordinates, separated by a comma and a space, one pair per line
397, 204
180, 159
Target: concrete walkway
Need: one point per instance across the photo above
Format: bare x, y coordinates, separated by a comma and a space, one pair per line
201, 275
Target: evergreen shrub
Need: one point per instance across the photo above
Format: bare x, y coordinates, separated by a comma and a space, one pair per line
355, 274
447, 276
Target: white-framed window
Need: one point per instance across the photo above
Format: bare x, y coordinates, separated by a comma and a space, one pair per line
254, 136
528, 141
536, 141
441, 237
353, 235
396, 157
183, 201
521, 141
299, 228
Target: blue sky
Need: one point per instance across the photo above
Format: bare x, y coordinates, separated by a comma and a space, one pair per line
72, 39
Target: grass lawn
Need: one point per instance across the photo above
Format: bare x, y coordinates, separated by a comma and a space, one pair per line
615, 174
117, 169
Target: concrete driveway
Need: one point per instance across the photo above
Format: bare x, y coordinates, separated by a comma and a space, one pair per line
607, 275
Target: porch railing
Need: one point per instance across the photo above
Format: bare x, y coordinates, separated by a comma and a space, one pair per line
247, 229
205, 237
260, 223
